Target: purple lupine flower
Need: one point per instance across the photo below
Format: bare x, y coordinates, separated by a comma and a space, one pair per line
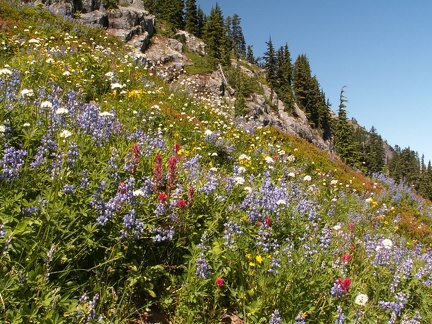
31, 210
72, 154
203, 269
231, 230
211, 184
275, 317
275, 263
132, 227
68, 189
193, 168
264, 238
12, 162
340, 319
325, 238
395, 306
84, 179
163, 234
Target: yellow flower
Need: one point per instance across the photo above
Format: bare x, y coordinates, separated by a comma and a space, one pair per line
259, 259
251, 264
248, 256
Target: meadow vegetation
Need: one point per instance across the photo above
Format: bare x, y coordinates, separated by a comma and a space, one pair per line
121, 198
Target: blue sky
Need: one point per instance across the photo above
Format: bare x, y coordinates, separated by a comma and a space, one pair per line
380, 50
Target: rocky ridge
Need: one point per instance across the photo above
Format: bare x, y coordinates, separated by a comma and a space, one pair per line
133, 23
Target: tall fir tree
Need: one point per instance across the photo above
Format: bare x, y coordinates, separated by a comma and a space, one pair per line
201, 21
250, 55
235, 33
343, 134
191, 17
270, 65
373, 152
216, 38
150, 6
172, 12
284, 77
302, 80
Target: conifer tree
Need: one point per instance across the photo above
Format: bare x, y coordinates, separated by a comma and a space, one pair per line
235, 33
374, 153
270, 64
191, 17
284, 77
302, 80
343, 134
218, 43
250, 55
172, 12
150, 6
201, 21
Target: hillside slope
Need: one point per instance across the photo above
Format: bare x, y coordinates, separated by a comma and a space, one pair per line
123, 198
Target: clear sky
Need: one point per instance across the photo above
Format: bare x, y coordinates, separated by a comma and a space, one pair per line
380, 50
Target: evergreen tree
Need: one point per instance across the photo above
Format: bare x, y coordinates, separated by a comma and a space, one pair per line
271, 65
235, 33
172, 12
201, 21
302, 80
218, 43
405, 167
191, 17
374, 153
150, 6
284, 66
343, 134
250, 55
284, 77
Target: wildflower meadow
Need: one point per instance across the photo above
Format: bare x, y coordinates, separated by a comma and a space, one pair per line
123, 197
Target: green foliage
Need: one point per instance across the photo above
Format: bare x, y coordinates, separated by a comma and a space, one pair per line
191, 17
235, 33
343, 135
200, 64
218, 43
111, 4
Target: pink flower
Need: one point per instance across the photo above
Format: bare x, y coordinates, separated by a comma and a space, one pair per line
268, 221
181, 204
346, 258
163, 197
220, 282
345, 284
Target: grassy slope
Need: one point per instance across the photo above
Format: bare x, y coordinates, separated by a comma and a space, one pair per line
87, 233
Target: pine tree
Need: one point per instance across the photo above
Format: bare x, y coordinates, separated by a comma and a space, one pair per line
150, 6
201, 21
191, 17
302, 80
250, 55
271, 65
284, 77
235, 33
343, 134
218, 43
172, 12
374, 153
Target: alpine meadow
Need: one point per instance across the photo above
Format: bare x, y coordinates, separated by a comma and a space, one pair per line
129, 194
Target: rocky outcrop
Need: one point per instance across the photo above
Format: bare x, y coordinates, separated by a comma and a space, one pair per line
128, 22
193, 43
96, 18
